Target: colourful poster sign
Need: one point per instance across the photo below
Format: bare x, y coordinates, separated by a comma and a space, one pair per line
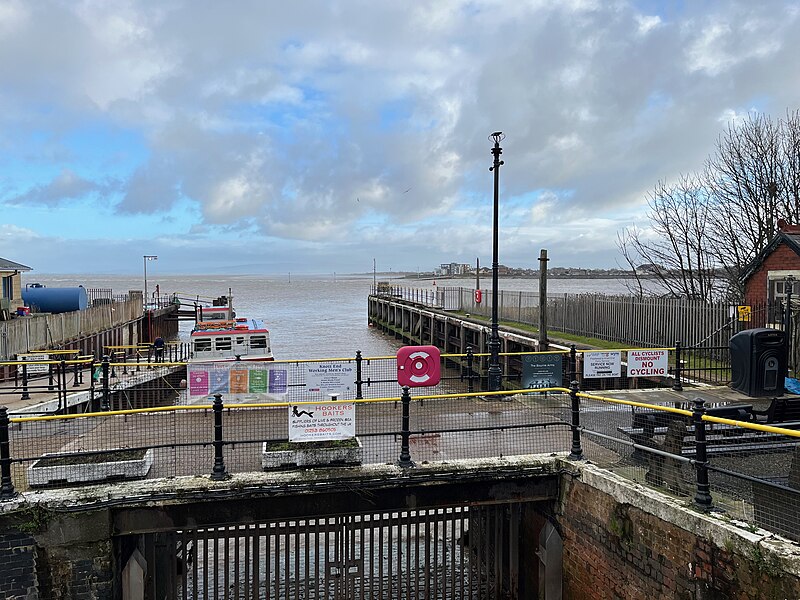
238, 380
258, 382
198, 383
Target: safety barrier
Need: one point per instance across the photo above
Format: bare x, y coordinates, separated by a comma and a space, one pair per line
742, 454
751, 468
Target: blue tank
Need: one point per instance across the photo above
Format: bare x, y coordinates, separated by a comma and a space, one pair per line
55, 300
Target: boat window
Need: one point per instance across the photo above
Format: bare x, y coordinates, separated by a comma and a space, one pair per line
258, 341
239, 341
223, 343
202, 345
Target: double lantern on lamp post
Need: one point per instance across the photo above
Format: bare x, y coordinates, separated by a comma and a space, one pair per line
495, 374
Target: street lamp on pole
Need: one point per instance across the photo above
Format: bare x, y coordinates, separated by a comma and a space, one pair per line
146, 258
495, 374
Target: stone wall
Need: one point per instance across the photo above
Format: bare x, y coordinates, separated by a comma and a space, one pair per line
51, 556
628, 542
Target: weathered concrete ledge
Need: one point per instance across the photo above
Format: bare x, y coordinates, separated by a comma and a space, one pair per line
174, 490
618, 535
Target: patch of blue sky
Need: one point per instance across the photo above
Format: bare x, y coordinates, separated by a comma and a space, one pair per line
760, 104
105, 150
472, 9
289, 191
82, 220
273, 115
95, 153
395, 114
669, 10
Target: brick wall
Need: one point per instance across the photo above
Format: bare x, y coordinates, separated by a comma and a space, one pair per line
615, 550
17, 566
783, 258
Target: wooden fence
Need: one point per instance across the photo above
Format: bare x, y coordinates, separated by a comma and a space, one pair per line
47, 331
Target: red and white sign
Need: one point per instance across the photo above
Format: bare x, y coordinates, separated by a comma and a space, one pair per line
418, 366
645, 363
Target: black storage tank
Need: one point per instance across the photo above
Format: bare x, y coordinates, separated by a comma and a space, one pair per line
758, 361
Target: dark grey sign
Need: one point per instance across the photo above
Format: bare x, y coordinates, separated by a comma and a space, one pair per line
541, 370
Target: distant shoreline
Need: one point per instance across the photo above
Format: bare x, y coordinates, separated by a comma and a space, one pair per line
549, 276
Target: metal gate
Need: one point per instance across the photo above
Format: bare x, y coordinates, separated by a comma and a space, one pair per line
461, 552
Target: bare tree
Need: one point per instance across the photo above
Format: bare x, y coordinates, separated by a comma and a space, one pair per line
673, 248
715, 223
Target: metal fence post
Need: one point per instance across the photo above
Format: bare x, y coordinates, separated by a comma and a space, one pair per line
576, 452
91, 384
470, 371
573, 363
76, 375
359, 392
25, 394
50, 377
405, 434
6, 485
702, 496
62, 383
678, 385
105, 403
218, 473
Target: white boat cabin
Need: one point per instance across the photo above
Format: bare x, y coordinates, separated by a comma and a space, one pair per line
218, 340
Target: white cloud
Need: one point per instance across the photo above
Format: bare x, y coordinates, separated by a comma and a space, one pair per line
309, 121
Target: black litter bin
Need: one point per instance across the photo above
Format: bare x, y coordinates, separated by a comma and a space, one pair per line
758, 362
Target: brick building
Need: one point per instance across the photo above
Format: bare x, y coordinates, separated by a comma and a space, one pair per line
765, 278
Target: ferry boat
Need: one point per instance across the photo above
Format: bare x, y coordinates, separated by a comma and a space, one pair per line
219, 336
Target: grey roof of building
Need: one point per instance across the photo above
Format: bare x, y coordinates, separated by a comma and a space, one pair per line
792, 240
10, 265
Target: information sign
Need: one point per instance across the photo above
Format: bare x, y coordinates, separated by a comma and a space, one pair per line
330, 377
542, 370
602, 364
34, 368
744, 313
322, 421
643, 363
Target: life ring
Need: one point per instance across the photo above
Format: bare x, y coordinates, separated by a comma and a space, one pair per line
478, 296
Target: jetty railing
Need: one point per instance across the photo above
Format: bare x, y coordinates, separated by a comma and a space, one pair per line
626, 319
724, 456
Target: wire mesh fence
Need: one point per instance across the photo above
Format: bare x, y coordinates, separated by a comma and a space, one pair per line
737, 461
749, 451
173, 441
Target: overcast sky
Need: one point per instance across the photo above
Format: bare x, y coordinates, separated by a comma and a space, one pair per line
312, 137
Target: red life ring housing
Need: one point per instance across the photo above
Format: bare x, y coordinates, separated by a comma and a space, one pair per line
478, 296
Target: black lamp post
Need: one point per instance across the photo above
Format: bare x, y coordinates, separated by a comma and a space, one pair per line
495, 373
788, 288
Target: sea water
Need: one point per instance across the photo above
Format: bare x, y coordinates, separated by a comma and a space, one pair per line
308, 316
